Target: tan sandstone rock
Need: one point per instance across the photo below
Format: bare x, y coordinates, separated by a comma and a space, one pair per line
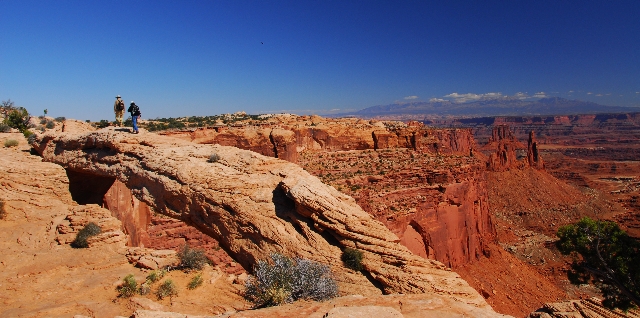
256, 205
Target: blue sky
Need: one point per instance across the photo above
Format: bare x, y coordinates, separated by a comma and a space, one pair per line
185, 58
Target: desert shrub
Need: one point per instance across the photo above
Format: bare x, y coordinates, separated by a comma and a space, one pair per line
214, 157
50, 125
42, 120
192, 258
31, 139
156, 275
283, 280
167, 288
5, 128
145, 288
87, 231
128, 287
3, 212
195, 282
103, 123
352, 258
60, 119
11, 143
18, 118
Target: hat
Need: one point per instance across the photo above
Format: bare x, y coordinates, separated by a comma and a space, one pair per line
132, 103
118, 96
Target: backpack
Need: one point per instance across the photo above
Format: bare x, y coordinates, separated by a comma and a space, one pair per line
120, 105
134, 110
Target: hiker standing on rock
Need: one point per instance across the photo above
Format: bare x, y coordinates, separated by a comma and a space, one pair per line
135, 115
118, 108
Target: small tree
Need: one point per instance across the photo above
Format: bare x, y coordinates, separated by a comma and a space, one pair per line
5, 107
606, 256
18, 118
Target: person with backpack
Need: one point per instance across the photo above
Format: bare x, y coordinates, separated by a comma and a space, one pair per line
135, 115
118, 108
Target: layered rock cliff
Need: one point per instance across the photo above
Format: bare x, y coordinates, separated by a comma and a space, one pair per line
254, 205
287, 140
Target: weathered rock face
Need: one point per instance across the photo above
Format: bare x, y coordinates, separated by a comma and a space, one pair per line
134, 214
456, 230
255, 205
289, 139
505, 145
80, 216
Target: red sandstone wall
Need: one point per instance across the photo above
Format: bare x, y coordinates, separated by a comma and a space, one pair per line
134, 214
455, 228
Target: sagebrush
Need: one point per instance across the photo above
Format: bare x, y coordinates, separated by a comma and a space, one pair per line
89, 230
192, 258
282, 280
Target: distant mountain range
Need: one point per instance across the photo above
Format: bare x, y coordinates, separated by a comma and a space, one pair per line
495, 107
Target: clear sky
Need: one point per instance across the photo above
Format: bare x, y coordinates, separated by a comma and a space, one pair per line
185, 58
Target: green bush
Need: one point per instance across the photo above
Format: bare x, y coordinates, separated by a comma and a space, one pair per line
214, 158
156, 275
167, 289
192, 258
352, 258
283, 280
3, 212
195, 282
27, 133
128, 287
88, 231
605, 255
11, 143
18, 118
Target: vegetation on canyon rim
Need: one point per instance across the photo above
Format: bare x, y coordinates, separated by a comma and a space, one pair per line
89, 230
280, 280
605, 255
14, 117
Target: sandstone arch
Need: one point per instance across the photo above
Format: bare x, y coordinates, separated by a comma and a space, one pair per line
254, 205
